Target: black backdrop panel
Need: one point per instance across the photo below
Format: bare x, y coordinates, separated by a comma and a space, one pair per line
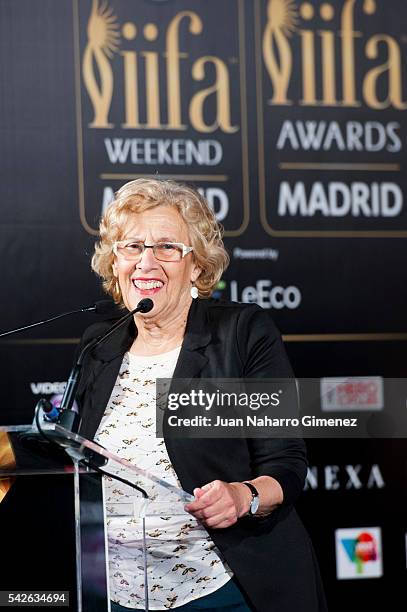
290, 116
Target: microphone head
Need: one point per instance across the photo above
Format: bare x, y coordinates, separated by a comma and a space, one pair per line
145, 305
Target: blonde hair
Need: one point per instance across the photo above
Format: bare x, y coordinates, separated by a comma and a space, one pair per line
142, 194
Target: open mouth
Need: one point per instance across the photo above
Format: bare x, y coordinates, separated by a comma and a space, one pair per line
146, 285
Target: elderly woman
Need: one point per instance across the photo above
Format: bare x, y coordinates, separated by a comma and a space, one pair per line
159, 239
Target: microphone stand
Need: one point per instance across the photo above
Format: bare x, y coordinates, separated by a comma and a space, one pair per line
68, 418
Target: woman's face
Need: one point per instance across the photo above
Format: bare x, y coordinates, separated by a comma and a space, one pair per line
172, 280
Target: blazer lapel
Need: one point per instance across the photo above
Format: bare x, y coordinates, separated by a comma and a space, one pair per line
98, 393
101, 375
191, 360
106, 360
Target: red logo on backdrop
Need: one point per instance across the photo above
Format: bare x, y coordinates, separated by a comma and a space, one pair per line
365, 548
352, 393
360, 393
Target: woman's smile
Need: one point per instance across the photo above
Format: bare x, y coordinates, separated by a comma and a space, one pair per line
147, 286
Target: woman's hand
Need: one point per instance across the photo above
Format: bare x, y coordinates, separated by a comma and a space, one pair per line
220, 504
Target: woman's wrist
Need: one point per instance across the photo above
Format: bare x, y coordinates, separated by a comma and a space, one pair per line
244, 498
269, 491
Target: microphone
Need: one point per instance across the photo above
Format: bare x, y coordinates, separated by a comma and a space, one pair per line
69, 418
100, 307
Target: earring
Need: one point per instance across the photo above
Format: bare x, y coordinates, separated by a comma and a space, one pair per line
194, 292
116, 291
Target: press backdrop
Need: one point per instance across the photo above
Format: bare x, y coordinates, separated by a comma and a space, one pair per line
290, 117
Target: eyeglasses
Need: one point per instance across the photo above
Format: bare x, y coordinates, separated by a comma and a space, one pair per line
132, 250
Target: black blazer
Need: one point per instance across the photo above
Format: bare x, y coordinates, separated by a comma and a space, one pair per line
271, 557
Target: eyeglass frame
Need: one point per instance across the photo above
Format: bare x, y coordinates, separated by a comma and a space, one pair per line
185, 249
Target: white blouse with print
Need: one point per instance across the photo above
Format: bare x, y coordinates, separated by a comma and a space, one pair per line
182, 561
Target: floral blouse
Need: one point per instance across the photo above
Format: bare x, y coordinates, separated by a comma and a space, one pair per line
183, 563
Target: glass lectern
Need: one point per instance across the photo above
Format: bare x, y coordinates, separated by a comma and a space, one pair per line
76, 469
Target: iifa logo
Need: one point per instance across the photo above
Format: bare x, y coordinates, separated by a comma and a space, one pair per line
358, 553
327, 174
107, 38
163, 95
318, 59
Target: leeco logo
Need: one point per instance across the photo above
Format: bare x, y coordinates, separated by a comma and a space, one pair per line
358, 553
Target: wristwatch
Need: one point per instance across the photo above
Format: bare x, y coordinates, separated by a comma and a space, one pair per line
254, 504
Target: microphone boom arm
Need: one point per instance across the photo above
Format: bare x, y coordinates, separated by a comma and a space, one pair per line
68, 418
